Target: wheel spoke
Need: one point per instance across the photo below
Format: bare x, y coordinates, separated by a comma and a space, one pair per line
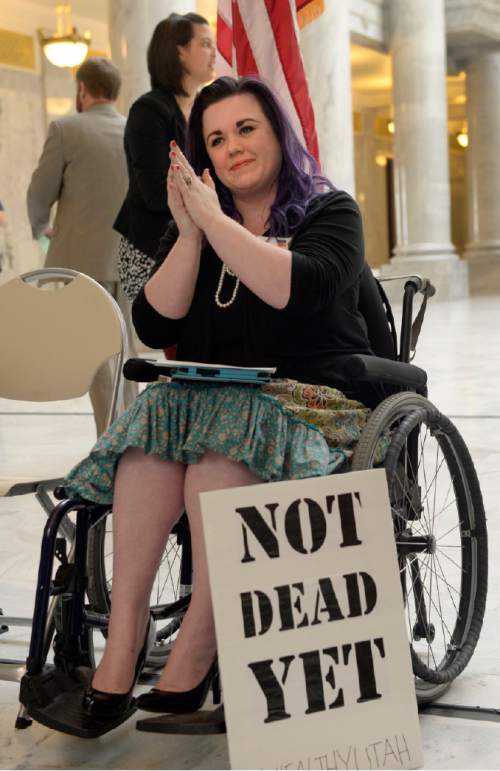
418, 611
166, 558
454, 501
434, 605
168, 550
453, 562
445, 504
427, 488
450, 530
440, 607
443, 579
430, 611
424, 472
435, 492
169, 576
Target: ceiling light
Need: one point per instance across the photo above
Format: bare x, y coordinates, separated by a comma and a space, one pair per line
462, 138
65, 48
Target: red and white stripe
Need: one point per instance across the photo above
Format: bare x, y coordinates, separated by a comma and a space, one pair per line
225, 53
260, 37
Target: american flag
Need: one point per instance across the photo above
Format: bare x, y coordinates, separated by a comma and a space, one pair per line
260, 37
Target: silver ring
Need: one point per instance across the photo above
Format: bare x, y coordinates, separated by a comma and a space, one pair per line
188, 180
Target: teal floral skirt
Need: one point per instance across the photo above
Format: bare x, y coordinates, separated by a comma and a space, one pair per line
284, 430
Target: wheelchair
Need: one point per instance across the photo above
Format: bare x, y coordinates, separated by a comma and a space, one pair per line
439, 528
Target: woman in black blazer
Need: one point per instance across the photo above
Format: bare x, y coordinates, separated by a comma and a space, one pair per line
181, 58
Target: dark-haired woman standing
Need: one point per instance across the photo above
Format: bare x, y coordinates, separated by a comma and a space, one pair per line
181, 58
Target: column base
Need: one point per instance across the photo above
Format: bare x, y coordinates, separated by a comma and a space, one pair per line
484, 269
447, 273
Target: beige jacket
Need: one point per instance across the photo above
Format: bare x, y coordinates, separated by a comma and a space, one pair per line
83, 169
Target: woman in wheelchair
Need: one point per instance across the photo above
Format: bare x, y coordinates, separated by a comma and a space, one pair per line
260, 266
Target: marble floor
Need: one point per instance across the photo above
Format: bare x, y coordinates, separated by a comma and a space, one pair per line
459, 348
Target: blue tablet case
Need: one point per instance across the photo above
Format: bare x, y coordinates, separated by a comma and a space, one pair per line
224, 373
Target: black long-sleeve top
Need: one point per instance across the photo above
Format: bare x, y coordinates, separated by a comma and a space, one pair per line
154, 120
307, 339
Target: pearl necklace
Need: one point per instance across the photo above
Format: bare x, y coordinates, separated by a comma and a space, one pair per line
283, 242
218, 301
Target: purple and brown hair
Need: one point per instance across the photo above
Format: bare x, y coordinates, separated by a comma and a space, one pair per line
299, 178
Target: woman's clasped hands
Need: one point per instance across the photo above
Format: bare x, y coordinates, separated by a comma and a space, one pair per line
192, 200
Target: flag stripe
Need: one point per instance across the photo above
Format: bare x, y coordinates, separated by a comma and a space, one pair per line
258, 28
261, 37
245, 61
282, 23
224, 39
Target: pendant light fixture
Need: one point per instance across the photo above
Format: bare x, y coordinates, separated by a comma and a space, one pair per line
65, 48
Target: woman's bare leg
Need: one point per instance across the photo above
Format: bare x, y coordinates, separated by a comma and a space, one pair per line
148, 500
195, 646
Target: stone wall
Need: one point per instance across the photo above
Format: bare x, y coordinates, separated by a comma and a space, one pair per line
22, 132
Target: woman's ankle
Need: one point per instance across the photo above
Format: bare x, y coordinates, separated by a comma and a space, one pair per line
183, 673
128, 631
111, 678
115, 671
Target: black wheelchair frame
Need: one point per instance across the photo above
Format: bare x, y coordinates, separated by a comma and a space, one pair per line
47, 693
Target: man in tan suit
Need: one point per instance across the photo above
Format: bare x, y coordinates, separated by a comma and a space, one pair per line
83, 169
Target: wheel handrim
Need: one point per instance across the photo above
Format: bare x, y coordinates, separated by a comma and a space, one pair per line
437, 515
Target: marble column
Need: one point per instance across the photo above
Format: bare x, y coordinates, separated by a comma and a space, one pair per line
325, 46
131, 24
483, 172
418, 47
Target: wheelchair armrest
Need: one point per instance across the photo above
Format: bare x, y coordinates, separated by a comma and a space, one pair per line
24, 488
421, 283
361, 367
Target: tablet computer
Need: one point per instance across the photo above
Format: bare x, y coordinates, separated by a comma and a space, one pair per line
149, 370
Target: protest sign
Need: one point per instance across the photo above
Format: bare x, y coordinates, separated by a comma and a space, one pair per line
311, 635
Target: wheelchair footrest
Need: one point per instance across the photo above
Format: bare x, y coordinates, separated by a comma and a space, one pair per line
208, 721
54, 699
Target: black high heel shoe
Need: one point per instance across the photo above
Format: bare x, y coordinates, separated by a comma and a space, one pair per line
113, 706
182, 701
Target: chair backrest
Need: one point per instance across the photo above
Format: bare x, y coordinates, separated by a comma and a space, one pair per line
374, 306
53, 340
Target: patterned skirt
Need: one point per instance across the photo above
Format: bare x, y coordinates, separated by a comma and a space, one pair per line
134, 268
284, 430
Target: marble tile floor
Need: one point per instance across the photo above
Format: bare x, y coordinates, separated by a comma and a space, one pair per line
459, 348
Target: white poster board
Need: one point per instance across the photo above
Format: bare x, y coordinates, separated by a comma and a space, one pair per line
312, 643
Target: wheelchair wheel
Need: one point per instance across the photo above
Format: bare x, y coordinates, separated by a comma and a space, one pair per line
172, 582
440, 530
